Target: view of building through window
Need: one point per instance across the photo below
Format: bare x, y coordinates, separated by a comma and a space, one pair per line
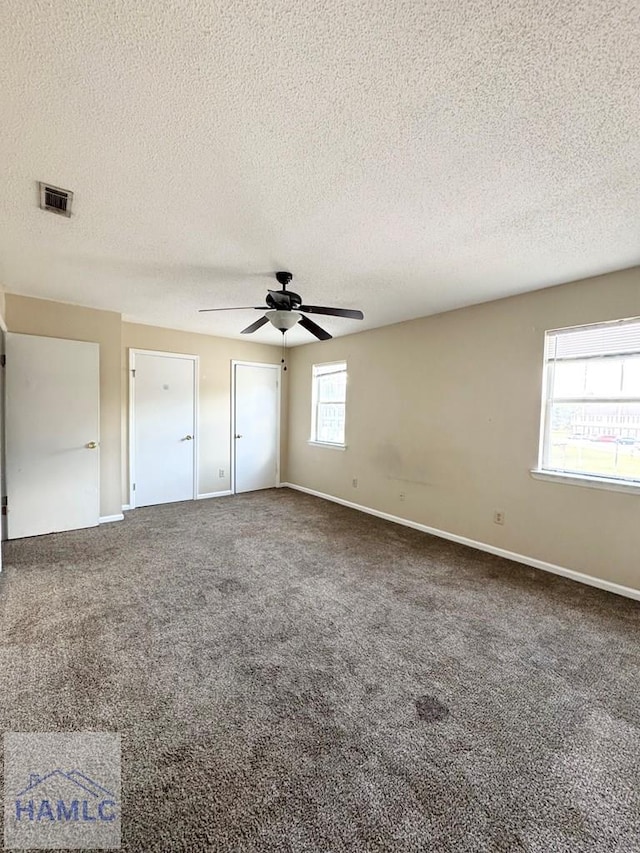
329, 399
592, 410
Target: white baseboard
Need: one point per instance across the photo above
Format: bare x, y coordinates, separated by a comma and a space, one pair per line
609, 586
222, 494
105, 519
127, 507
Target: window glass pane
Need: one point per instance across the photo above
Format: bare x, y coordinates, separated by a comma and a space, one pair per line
332, 387
603, 377
330, 423
631, 377
602, 439
595, 378
568, 379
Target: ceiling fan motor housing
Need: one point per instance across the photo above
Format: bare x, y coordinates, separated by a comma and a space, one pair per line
283, 300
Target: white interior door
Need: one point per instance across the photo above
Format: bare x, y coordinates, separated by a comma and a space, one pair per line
52, 434
3, 478
163, 427
256, 426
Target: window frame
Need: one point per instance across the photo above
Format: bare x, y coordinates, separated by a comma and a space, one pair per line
316, 373
590, 479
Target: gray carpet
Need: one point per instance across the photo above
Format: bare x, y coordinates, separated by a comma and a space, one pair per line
291, 675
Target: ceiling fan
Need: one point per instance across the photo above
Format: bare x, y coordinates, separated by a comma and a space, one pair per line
286, 307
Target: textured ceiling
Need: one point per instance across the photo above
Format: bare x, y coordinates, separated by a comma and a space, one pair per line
399, 157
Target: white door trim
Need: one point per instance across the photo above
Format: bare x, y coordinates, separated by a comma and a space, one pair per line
132, 416
277, 367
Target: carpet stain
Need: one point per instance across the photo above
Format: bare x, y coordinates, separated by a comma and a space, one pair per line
228, 585
431, 710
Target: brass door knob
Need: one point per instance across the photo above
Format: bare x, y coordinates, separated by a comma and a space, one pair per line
91, 445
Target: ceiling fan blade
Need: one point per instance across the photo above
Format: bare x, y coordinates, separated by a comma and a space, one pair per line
334, 312
241, 308
254, 326
315, 329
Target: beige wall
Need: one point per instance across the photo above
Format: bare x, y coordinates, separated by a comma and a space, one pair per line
58, 320
215, 355
446, 409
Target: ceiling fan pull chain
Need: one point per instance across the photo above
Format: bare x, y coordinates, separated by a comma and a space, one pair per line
282, 361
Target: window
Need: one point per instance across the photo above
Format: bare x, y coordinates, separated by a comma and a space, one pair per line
328, 403
591, 417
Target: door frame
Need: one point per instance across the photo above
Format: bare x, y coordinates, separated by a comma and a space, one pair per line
3, 412
278, 367
132, 415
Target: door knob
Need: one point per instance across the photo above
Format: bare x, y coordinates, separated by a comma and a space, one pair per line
188, 437
237, 436
91, 445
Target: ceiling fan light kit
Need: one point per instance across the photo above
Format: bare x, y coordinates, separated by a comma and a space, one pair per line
283, 320
285, 311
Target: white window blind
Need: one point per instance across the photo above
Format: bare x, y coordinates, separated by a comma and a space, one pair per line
591, 419
603, 339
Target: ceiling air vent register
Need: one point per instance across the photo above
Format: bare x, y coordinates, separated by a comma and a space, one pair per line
55, 199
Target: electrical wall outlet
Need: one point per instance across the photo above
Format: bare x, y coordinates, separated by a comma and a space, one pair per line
221, 473
354, 482
498, 517
402, 496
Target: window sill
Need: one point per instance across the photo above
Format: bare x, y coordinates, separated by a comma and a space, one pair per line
327, 444
587, 481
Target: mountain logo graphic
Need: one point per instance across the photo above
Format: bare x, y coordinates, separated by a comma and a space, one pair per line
63, 797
